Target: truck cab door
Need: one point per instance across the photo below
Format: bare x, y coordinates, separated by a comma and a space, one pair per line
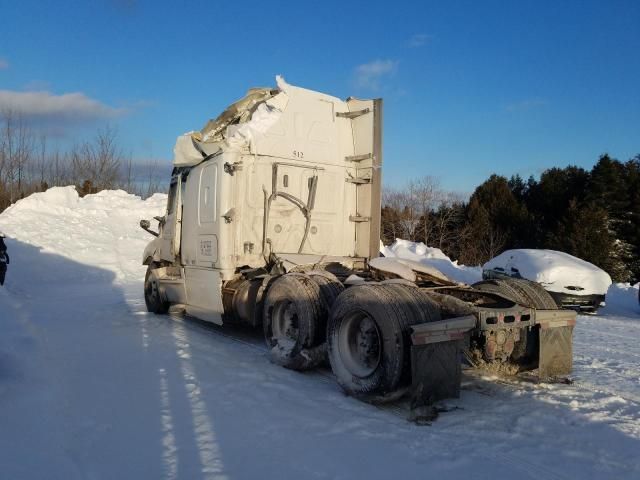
172, 228
177, 224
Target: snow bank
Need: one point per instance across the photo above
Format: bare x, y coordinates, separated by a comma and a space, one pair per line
622, 299
100, 230
556, 271
432, 257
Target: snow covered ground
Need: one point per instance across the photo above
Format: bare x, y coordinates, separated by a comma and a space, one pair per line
91, 386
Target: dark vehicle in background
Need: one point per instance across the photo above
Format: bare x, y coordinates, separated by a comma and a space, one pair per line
4, 259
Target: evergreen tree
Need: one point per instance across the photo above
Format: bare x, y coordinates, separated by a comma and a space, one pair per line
549, 199
519, 188
505, 213
612, 187
583, 232
607, 187
631, 230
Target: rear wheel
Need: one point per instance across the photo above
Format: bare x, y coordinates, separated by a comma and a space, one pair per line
368, 336
152, 296
537, 296
503, 288
330, 286
294, 321
524, 292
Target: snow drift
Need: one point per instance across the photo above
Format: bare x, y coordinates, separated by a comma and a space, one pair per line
622, 299
101, 229
432, 257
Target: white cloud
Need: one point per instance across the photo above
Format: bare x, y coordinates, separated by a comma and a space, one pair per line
47, 108
4, 64
526, 104
369, 75
419, 40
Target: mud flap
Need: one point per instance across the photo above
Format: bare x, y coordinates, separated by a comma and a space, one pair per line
556, 352
436, 372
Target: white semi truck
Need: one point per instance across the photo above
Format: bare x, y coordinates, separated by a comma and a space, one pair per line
274, 210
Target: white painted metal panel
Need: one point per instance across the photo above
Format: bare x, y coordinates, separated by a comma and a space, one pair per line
204, 293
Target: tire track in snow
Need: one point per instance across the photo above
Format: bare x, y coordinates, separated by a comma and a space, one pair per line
208, 449
169, 448
324, 375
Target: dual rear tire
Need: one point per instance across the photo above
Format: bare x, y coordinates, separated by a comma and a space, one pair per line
368, 336
295, 314
364, 330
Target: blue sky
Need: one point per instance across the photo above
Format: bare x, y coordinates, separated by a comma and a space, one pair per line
470, 88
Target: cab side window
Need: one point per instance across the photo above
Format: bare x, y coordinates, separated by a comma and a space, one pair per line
208, 183
171, 205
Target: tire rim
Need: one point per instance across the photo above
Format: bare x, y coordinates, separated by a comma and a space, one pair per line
359, 344
284, 321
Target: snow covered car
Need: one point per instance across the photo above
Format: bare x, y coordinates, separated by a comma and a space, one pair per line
573, 283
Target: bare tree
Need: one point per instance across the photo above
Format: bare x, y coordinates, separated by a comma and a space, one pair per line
445, 222
96, 165
17, 151
426, 197
28, 164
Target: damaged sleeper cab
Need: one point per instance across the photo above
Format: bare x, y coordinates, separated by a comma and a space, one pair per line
274, 206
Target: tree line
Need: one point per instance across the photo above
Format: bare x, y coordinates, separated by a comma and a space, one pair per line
28, 164
592, 214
